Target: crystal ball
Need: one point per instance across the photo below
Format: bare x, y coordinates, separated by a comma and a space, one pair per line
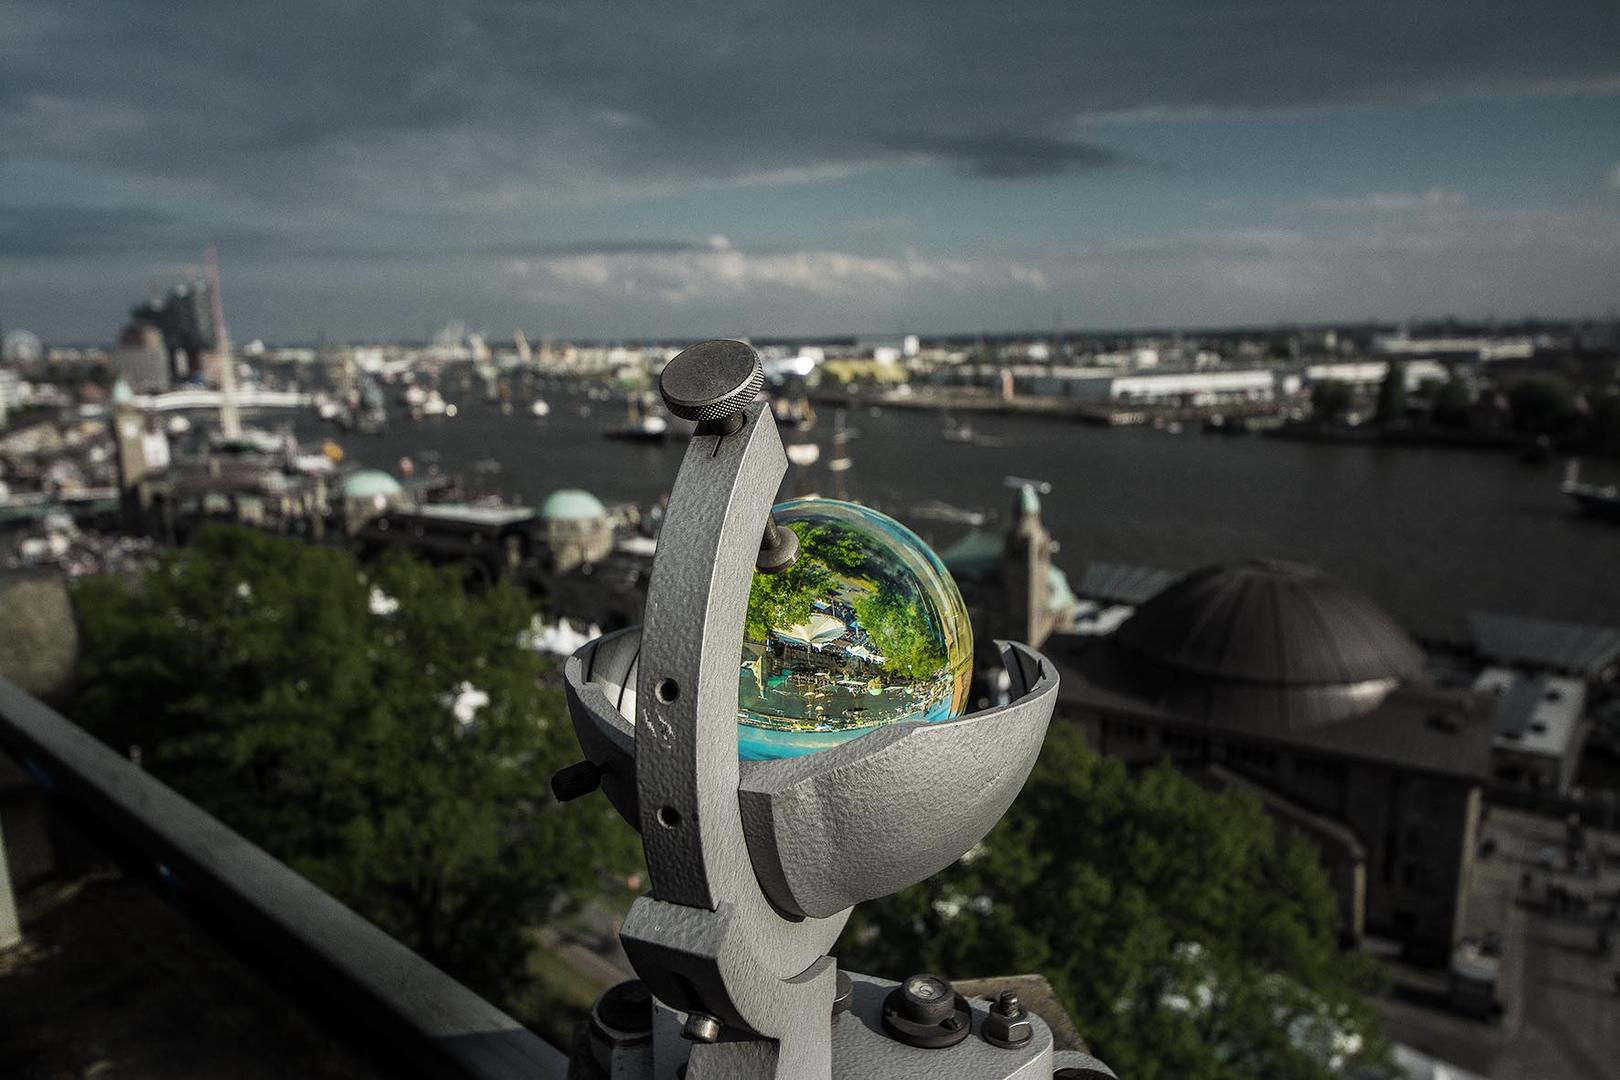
867, 628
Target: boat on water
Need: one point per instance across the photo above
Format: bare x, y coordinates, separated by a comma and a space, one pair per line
794, 412
654, 429
939, 510
803, 454
962, 433
1600, 501
641, 424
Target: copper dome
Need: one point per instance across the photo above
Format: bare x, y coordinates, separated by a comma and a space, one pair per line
1258, 644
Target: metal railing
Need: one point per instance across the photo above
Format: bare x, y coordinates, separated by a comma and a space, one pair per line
364, 981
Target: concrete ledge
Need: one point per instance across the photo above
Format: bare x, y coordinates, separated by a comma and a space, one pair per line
415, 1011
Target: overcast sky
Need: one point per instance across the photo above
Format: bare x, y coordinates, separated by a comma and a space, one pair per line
608, 169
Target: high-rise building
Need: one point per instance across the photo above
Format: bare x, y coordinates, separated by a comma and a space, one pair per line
141, 359
185, 319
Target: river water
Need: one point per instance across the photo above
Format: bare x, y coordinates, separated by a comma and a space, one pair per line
1430, 533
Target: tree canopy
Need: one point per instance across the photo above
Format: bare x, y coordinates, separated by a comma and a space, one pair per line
1186, 940
378, 728
1541, 404
1331, 400
1392, 394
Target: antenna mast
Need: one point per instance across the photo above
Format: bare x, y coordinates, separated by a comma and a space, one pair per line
230, 424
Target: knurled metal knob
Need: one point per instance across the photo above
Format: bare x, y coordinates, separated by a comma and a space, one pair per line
712, 382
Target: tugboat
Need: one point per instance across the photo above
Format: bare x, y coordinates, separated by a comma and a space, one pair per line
639, 426
1599, 501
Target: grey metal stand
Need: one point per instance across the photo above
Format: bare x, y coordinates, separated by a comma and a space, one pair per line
10, 927
755, 865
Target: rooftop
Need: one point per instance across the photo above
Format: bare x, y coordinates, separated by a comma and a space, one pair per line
571, 504
1535, 714
1260, 645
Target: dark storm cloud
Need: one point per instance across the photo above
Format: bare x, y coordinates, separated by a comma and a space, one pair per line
404, 132
1009, 157
56, 231
260, 97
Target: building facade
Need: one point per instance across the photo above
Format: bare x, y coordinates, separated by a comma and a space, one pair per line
1274, 678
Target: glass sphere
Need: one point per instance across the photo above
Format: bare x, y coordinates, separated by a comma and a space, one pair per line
867, 628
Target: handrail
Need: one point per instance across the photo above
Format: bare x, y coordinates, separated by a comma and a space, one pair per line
419, 1014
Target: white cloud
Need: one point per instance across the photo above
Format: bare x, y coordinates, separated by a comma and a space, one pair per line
723, 272
1465, 260
1392, 202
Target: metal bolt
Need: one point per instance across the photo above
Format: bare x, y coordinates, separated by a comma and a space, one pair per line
843, 994
580, 778
701, 1028
778, 549
625, 1007
1008, 1025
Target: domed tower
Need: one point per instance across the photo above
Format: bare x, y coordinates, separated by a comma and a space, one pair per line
1276, 679
576, 528
1025, 568
1261, 645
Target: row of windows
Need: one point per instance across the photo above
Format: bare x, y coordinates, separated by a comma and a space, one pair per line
1183, 743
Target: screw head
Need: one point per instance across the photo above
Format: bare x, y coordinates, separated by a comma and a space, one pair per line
844, 993
925, 1011
701, 1027
711, 381
926, 999
1008, 1004
626, 1007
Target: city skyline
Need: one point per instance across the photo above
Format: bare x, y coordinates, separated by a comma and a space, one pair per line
608, 173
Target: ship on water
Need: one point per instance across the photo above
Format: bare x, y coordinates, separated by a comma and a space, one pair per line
1600, 501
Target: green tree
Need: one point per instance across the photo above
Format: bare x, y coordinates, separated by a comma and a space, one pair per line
898, 627
1331, 400
312, 704
1541, 404
1186, 941
1603, 425
786, 598
1392, 395
1454, 403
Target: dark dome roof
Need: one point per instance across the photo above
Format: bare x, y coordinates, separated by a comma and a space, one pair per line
1259, 644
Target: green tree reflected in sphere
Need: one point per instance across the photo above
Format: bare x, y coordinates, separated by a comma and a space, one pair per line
867, 628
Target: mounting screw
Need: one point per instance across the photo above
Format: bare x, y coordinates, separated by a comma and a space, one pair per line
778, 549
925, 1011
701, 1028
626, 1007
580, 778
712, 384
1008, 1024
843, 995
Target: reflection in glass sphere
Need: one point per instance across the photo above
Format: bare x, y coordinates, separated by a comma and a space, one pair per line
866, 628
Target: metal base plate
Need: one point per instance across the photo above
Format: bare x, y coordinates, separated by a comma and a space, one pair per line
860, 1050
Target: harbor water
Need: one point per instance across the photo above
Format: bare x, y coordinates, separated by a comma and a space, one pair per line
1431, 534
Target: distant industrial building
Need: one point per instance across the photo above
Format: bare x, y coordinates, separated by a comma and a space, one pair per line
1106, 384
1539, 728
